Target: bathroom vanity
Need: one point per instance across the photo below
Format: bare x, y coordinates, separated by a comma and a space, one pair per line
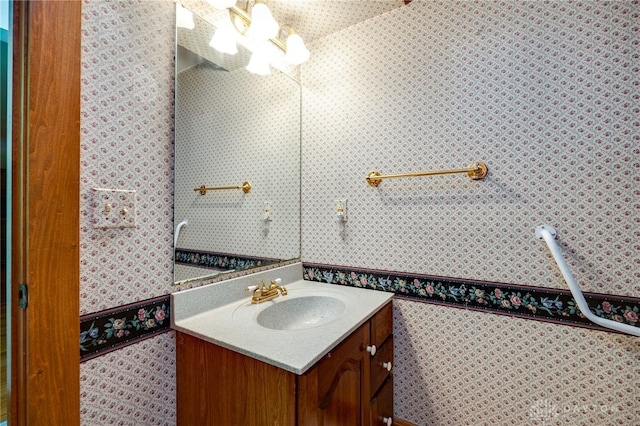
233, 367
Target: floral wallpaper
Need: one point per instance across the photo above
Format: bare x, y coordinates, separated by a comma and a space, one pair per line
109, 330
207, 259
544, 304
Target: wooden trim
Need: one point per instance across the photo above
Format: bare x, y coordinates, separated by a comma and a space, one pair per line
46, 212
17, 392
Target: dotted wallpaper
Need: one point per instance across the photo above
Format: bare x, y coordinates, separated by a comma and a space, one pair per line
127, 143
545, 94
234, 127
131, 386
458, 367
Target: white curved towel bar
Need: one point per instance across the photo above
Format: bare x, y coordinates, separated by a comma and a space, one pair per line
177, 233
548, 233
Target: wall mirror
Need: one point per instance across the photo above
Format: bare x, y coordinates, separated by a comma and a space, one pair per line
232, 127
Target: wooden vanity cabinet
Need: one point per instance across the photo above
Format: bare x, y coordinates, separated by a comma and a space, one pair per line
216, 386
348, 386
333, 391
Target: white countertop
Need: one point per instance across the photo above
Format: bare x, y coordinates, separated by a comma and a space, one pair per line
222, 314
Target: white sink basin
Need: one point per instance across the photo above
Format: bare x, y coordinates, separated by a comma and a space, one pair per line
291, 332
300, 309
301, 312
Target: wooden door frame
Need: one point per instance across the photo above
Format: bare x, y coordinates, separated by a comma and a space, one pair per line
45, 253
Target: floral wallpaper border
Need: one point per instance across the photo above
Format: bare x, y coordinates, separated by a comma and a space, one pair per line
539, 303
220, 260
112, 329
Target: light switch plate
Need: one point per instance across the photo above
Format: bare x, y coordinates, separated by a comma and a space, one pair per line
341, 209
266, 214
114, 208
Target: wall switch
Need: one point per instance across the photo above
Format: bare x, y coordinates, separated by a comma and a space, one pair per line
341, 210
341, 215
266, 214
114, 208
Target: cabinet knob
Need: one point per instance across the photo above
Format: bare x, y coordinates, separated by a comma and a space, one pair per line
372, 349
387, 421
387, 365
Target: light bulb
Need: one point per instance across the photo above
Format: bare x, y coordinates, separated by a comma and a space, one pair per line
259, 63
224, 39
297, 52
263, 25
184, 17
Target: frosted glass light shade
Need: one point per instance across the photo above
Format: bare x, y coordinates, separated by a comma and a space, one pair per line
297, 52
259, 63
184, 17
222, 4
263, 25
224, 40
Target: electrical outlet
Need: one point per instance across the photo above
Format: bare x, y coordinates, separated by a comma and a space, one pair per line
114, 208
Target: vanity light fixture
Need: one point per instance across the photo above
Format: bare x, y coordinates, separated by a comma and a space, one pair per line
253, 19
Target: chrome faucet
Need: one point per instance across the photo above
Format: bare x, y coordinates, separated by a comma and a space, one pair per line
262, 293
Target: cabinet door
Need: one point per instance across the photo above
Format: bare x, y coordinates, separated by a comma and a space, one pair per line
336, 391
217, 386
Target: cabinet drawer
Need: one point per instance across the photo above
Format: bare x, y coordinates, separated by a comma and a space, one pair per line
382, 405
381, 364
382, 325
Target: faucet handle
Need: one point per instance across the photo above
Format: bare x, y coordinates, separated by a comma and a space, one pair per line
255, 287
277, 281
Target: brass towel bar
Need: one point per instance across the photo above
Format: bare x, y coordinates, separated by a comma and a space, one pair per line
475, 171
246, 187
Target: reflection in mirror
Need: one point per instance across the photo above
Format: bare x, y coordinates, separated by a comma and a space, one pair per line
232, 127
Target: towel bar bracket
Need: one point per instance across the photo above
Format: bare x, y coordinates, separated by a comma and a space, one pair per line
548, 228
